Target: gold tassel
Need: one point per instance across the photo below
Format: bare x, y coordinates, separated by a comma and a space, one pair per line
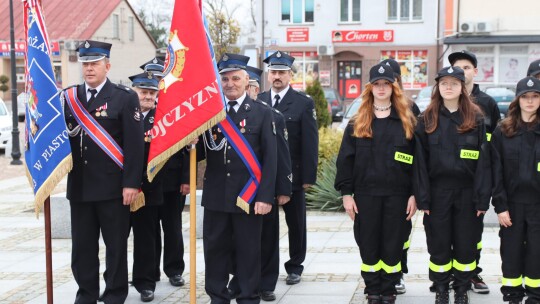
50, 183
138, 203
159, 161
242, 204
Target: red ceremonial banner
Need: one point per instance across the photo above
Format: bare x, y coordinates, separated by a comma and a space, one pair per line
190, 98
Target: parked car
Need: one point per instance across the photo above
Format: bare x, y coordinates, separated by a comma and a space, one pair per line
503, 95
22, 100
335, 102
353, 108
423, 98
6, 125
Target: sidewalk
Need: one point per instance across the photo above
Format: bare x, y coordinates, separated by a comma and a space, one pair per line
331, 274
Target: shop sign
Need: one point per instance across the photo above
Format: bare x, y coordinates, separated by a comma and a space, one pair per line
298, 34
20, 48
363, 36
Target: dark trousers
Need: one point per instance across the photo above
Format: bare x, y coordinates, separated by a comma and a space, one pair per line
269, 253
520, 252
295, 216
479, 233
223, 234
451, 240
144, 222
170, 214
406, 244
87, 220
378, 230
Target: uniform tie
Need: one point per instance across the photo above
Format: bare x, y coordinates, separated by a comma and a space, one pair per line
276, 97
232, 111
93, 93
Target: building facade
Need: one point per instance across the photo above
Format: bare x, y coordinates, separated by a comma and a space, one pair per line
505, 37
338, 42
69, 23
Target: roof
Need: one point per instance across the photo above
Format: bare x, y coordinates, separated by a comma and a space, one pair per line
492, 39
65, 19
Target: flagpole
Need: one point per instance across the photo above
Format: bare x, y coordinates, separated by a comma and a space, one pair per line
193, 224
48, 249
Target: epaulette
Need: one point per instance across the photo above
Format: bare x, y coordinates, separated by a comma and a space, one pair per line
261, 102
71, 86
303, 94
123, 87
275, 110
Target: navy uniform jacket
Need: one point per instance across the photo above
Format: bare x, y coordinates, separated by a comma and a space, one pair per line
95, 176
226, 175
284, 174
453, 160
369, 165
176, 171
515, 165
299, 112
153, 191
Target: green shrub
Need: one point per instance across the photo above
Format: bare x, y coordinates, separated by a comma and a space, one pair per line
321, 105
322, 196
329, 143
3, 83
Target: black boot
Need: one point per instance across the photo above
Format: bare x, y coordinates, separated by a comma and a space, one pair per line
461, 297
441, 295
373, 299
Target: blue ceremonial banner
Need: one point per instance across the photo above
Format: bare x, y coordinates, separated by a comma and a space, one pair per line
47, 150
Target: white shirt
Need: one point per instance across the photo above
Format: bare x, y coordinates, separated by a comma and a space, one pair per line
281, 94
98, 88
239, 101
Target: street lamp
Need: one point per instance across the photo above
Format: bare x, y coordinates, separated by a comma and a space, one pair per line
15, 150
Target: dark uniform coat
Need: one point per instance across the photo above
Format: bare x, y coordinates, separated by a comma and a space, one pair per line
489, 107
153, 192
226, 175
95, 176
299, 112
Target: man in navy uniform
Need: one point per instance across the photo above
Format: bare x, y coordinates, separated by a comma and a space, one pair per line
226, 227
145, 221
299, 112
270, 229
175, 187
99, 190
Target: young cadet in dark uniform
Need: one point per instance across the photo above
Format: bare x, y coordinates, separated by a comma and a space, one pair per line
377, 150
516, 192
454, 182
145, 220
400, 286
99, 191
270, 228
226, 227
175, 186
534, 69
468, 63
299, 112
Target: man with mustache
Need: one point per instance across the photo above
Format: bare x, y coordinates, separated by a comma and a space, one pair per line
299, 112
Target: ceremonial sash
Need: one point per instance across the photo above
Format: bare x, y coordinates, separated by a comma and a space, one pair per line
243, 149
99, 135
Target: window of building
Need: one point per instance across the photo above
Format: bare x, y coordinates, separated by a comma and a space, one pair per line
297, 11
349, 11
116, 26
513, 60
131, 28
404, 10
414, 67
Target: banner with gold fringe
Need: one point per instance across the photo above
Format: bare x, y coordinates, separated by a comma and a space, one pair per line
190, 98
47, 150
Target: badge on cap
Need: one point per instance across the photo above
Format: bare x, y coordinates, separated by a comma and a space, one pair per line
155, 60
530, 83
150, 75
87, 44
278, 54
225, 57
381, 70
450, 70
388, 63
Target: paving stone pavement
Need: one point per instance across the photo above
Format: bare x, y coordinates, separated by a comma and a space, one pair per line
331, 275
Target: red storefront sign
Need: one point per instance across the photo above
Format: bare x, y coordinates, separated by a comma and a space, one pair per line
20, 47
363, 36
298, 34
301, 54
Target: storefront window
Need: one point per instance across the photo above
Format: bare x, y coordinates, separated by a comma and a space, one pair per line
414, 67
349, 79
306, 69
486, 62
513, 61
